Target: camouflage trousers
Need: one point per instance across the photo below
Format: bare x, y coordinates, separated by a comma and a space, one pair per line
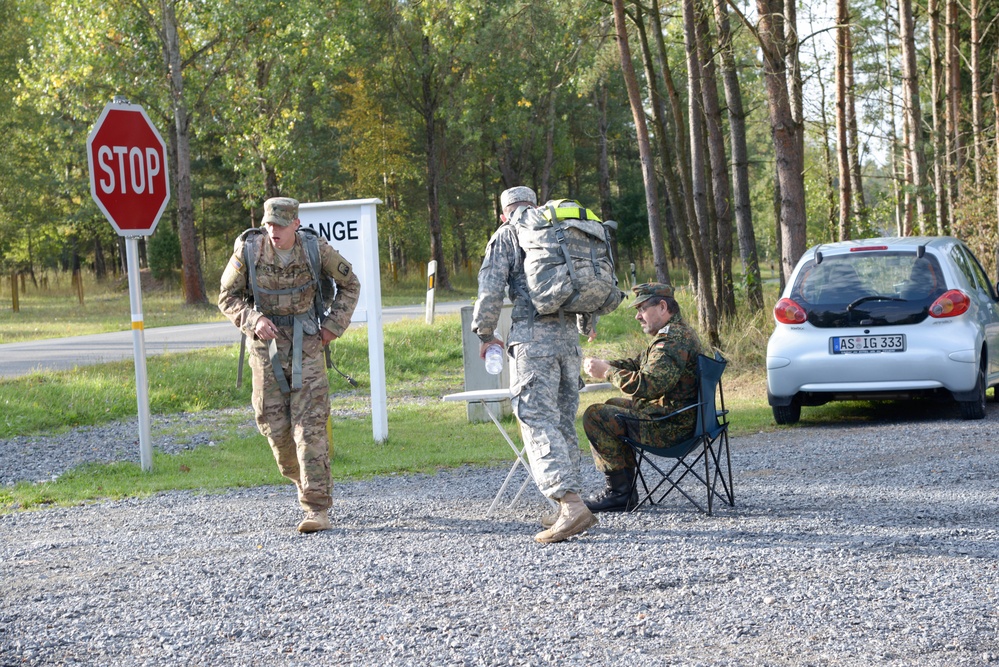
295, 424
605, 432
545, 400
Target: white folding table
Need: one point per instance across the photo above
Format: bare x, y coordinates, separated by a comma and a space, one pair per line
486, 396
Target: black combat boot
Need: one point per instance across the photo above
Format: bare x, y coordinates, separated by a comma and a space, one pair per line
619, 495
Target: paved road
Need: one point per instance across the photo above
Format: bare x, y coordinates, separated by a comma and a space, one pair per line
18, 359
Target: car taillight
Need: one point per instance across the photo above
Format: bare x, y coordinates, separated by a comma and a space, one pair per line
950, 304
788, 312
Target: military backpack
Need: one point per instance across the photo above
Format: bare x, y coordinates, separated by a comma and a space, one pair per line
567, 259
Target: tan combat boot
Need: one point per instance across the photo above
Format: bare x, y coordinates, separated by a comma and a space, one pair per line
548, 519
314, 522
574, 518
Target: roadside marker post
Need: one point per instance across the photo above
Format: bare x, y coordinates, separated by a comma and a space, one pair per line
431, 290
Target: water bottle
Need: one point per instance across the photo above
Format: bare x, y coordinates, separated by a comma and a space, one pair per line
494, 359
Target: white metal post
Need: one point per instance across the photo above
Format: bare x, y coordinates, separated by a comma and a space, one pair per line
431, 289
139, 345
376, 337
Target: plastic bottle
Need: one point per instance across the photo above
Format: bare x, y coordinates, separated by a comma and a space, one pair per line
494, 359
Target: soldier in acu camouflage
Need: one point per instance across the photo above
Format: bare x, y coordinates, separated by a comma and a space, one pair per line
546, 357
661, 380
291, 397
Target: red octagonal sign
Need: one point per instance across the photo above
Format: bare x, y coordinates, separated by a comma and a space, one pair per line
128, 169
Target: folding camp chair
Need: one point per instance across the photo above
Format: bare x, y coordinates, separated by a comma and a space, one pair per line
707, 448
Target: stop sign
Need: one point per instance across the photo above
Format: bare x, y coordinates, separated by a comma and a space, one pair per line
128, 169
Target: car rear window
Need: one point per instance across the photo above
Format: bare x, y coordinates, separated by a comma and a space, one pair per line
868, 288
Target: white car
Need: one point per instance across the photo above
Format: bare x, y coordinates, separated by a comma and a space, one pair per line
884, 318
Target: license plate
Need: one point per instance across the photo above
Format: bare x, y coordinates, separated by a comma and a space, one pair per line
862, 344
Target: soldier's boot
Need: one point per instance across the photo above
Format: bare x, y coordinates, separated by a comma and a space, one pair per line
548, 519
573, 519
314, 522
619, 494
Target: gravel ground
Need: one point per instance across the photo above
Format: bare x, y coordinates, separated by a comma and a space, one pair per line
867, 544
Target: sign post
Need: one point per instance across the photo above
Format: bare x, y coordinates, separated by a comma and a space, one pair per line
128, 181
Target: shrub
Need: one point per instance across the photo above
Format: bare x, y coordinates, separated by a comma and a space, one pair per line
163, 252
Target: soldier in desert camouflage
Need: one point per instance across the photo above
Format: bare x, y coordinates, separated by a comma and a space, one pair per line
547, 356
659, 381
278, 315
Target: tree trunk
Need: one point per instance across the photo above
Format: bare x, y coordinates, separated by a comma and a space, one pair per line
853, 142
685, 219
914, 194
194, 281
995, 110
952, 60
786, 134
832, 211
603, 163
546, 171
778, 228
100, 265
740, 161
644, 149
939, 145
721, 187
429, 109
671, 218
893, 156
976, 92
705, 302
842, 154
790, 49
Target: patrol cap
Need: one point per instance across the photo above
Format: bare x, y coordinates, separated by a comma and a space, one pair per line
517, 194
280, 211
646, 291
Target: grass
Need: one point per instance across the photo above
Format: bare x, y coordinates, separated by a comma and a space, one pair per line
422, 363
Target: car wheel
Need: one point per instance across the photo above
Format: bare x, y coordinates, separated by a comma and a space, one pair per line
787, 414
975, 409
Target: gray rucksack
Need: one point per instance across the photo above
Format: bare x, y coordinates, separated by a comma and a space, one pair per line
567, 259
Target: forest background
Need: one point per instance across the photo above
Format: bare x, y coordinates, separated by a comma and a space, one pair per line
717, 134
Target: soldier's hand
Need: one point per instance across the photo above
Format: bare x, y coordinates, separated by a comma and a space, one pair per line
595, 368
327, 335
265, 329
486, 345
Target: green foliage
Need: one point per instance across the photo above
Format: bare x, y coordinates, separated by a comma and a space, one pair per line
163, 252
975, 219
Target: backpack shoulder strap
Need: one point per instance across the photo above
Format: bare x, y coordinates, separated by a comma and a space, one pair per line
251, 241
310, 239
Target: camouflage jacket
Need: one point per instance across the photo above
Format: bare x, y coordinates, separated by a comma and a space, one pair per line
502, 274
664, 377
236, 294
